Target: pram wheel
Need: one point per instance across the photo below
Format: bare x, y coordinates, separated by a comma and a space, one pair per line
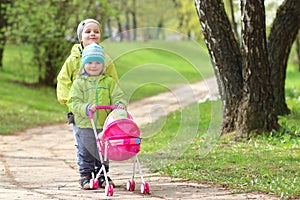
109, 190
94, 183
145, 188
130, 185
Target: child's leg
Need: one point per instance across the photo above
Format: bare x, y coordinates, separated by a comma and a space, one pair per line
86, 155
98, 160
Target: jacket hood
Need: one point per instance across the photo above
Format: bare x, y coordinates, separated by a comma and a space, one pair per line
76, 50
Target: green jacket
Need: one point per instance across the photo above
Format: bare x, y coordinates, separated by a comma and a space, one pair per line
69, 72
99, 90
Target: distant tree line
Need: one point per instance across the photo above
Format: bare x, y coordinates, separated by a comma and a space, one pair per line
50, 26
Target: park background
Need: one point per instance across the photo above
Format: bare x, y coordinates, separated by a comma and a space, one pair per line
134, 34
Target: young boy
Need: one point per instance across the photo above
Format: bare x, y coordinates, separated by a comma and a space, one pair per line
92, 88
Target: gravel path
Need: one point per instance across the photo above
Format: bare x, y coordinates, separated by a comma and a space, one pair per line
40, 163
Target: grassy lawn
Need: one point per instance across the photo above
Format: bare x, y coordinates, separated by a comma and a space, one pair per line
24, 107
266, 163
147, 68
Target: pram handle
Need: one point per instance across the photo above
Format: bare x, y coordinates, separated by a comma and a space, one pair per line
106, 107
101, 108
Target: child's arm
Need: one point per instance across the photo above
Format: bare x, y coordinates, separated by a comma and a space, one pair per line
75, 102
64, 82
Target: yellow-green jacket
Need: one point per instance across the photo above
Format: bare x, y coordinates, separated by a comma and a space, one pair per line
69, 72
98, 90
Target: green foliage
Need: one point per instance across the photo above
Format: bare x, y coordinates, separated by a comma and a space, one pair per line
43, 25
188, 20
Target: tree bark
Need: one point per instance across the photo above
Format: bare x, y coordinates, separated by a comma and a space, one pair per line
3, 23
243, 74
298, 52
283, 33
256, 108
225, 56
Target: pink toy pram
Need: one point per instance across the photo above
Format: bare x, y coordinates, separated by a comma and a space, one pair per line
120, 140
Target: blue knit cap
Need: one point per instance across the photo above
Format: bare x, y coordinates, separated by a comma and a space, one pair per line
91, 53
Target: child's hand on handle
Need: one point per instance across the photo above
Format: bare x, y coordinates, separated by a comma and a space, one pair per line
93, 108
121, 106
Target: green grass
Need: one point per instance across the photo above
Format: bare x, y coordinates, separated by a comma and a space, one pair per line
24, 107
266, 163
17, 63
148, 68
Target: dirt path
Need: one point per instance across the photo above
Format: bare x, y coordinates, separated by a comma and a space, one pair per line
40, 163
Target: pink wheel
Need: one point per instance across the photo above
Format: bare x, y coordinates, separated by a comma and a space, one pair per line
143, 188
109, 190
132, 186
96, 184
91, 183
128, 185
147, 188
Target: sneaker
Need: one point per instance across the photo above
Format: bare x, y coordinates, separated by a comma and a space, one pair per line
102, 182
85, 182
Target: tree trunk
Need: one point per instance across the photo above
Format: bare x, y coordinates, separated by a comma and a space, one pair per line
134, 21
283, 33
119, 28
3, 23
256, 108
225, 56
134, 24
244, 79
298, 52
127, 26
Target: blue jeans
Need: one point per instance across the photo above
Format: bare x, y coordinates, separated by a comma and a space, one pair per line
88, 159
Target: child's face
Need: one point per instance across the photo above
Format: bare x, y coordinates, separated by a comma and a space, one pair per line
90, 33
93, 68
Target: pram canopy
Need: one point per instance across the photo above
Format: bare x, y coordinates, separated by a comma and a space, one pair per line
121, 136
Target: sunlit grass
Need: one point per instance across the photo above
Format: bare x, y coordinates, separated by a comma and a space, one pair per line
25, 107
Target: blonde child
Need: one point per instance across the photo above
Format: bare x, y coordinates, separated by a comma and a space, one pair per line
92, 88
